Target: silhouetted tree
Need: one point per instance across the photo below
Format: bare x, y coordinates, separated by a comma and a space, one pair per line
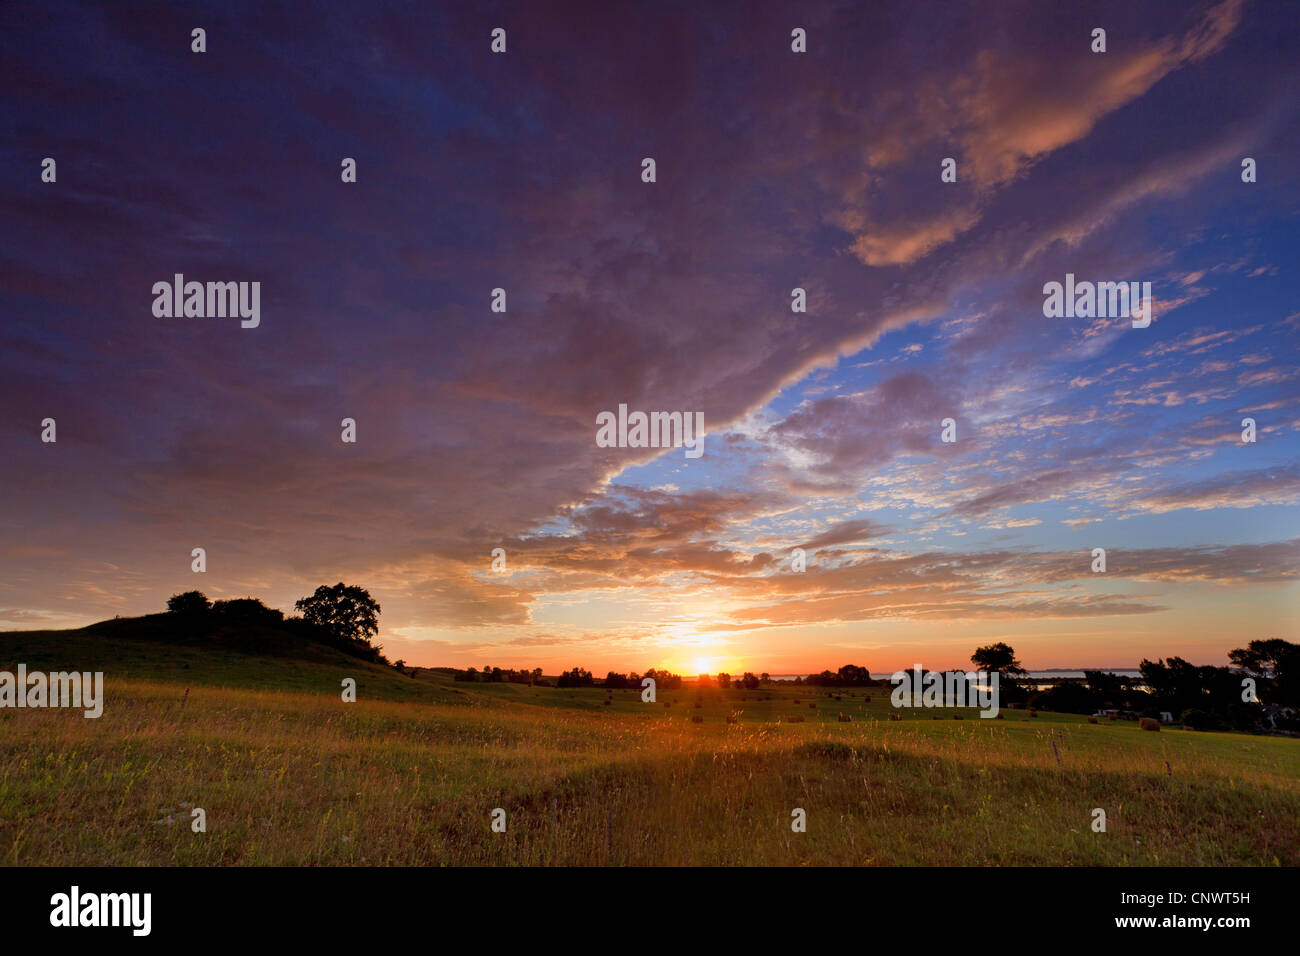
1275, 665
664, 680
850, 675
578, 677
346, 611
189, 602
998, 657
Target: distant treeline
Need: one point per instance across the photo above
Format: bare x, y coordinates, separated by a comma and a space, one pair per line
577, 677
850, 675
1260, 689
495, 675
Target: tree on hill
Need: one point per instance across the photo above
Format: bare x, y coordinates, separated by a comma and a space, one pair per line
344, 610
189, 602
1000, 657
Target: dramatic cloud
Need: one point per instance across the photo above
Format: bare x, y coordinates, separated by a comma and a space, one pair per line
775, 170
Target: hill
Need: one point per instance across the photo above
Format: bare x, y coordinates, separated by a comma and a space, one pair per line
161, 647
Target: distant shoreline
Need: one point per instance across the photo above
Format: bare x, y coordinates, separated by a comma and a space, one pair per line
1043, 674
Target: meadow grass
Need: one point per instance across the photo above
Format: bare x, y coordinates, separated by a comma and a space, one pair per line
297, 777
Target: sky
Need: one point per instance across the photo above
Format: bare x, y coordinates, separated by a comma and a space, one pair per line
774, 170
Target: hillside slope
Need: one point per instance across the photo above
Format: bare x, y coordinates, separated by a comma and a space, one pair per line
255, 656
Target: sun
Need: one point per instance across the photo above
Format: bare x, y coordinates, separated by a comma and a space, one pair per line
704, 665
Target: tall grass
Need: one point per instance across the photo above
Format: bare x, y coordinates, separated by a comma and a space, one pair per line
303, 779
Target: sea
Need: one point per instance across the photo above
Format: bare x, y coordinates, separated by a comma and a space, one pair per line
1046, 677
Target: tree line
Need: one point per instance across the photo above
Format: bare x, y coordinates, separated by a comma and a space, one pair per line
1258, 688
343, 616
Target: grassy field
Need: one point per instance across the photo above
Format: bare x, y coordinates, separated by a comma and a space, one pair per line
409, 774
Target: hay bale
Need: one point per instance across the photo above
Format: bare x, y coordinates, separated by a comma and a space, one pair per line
895, 716
844, 718
958, 717
1149, 723
1092, 720
697, 719
795, 719
1033, 713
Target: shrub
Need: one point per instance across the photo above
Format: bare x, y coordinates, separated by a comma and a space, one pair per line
246, 611
189, 602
